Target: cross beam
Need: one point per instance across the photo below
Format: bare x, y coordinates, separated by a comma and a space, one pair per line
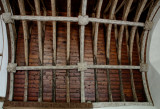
75, 19
12, 67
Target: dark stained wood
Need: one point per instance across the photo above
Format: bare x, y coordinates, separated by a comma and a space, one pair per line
74, 59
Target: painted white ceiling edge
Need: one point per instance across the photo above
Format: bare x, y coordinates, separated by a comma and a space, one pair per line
1, 105
129, 107
4, 59
153, 59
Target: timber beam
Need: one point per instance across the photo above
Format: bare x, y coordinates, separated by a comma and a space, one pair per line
40, 46
76, 19
53, 8
132, 35
152, 10
13, 35
82, 20
26, 36
108, 38
81, 66
68, 50
119, 46
95, 39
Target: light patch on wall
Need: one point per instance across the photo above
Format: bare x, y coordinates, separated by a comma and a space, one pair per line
3, 58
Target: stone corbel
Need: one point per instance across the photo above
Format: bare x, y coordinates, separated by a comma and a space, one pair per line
148, 25
143, 67
83, 20
82, 66
7, 18
12, 67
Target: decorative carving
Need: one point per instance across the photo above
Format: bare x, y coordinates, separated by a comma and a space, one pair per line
148, 25
82, 66
12, 67
83, 20
143, 67
7, 18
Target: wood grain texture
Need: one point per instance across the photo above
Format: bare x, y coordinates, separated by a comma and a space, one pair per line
64, 46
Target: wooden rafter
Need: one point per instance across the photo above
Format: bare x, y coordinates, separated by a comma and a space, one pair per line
44, 14
127, 38
31, 6
116, 32
68, 47
138, 44
133, 31
150, 15
96, 28
53, 7
108, 6
119, 70
13, 36
38, 12
120, 35
121, 5
108, 37
82, 32
26, 36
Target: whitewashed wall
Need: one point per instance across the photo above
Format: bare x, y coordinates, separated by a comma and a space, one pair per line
153, 59
3, 60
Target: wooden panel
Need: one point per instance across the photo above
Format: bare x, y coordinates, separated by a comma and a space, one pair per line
74, 59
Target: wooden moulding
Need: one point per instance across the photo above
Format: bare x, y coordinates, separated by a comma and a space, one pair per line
51, 105
13, 36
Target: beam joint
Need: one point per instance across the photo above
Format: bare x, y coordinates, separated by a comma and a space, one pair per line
7, 17
148, 25
12, 67
143, 67
82, 66
83, 20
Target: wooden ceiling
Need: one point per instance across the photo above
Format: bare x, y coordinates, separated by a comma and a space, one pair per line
113, 35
